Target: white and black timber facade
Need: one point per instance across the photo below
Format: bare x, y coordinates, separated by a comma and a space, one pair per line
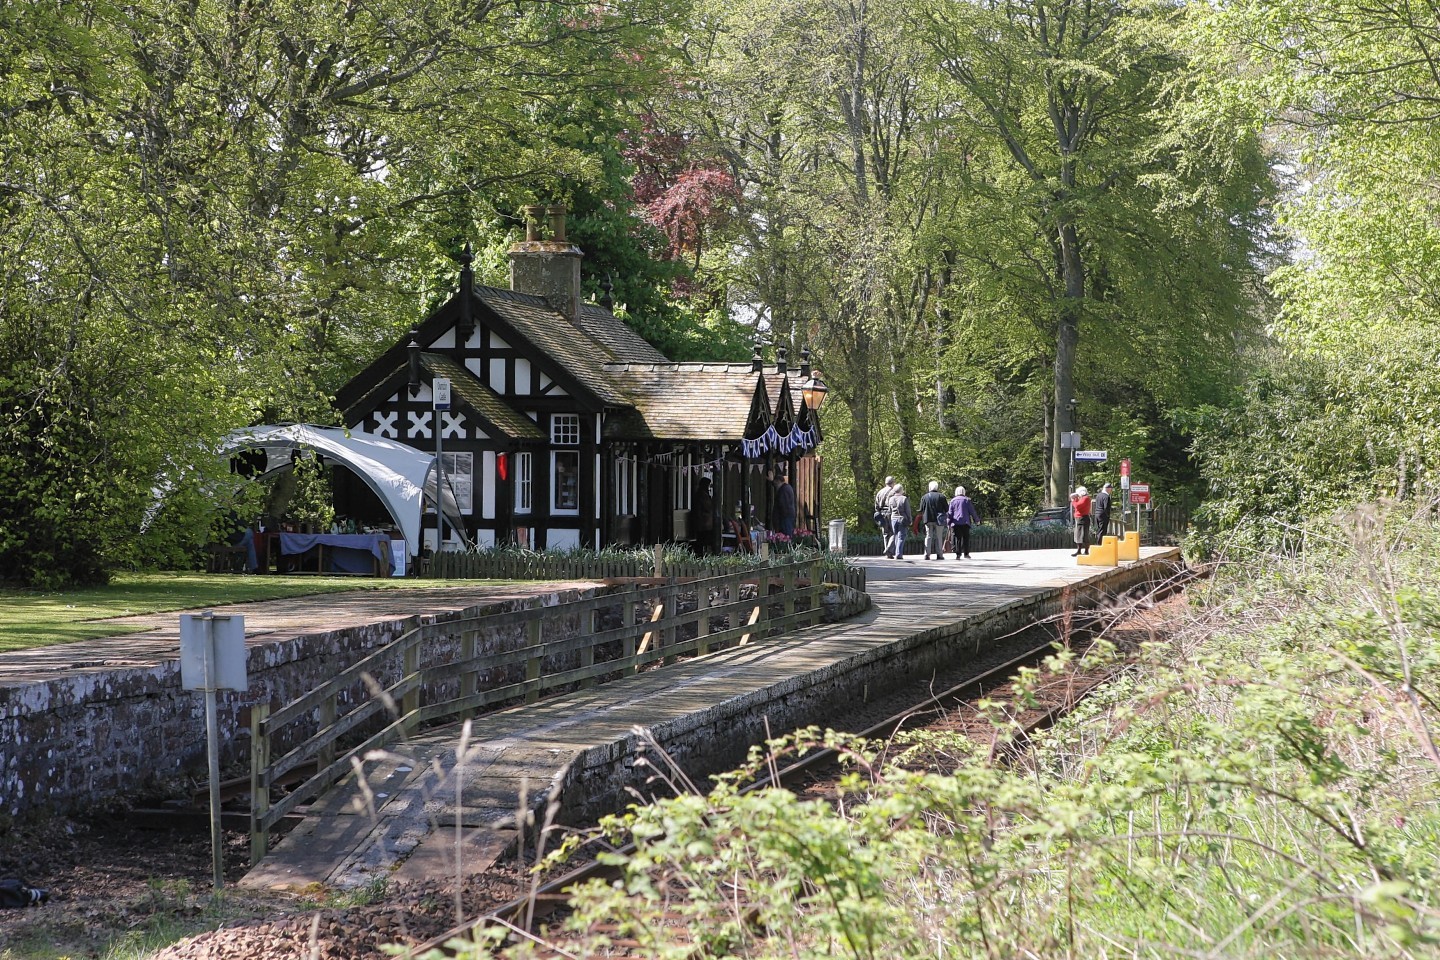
566, 429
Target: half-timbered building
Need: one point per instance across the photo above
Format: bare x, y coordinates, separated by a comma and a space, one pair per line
566, 429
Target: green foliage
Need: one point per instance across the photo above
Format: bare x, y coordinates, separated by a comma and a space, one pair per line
1318, 432
212, 218
1345, 93
1262, 788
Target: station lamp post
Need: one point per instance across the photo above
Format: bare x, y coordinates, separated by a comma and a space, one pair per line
814, 390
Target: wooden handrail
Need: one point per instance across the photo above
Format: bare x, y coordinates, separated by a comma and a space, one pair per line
402, 698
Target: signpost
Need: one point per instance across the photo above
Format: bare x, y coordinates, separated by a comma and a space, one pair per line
1091, 456
442, 403
1139, 493
212, 658
1070, 440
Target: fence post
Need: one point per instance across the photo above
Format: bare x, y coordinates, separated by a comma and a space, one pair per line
702, 622
326, 754
627, 620
659, 561
787, 585
411, 701
587, 655
469, 682
532, 665
259, 788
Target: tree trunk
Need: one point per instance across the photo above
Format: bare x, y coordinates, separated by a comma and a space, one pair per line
1067, 339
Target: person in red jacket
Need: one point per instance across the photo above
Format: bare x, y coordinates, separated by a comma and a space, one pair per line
1080, 511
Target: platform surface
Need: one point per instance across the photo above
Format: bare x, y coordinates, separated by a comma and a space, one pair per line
417, 810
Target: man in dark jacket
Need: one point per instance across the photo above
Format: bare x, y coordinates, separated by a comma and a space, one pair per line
932, 513
1102, 513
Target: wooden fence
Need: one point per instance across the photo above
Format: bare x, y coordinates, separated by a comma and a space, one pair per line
608, 565
451, 670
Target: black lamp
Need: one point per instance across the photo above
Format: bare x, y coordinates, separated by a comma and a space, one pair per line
814, 390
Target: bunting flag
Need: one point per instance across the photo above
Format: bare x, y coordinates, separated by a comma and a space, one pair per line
760, 436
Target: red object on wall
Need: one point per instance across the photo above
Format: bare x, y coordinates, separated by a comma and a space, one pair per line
502, 464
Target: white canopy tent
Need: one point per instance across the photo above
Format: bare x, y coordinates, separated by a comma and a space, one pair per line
398, 474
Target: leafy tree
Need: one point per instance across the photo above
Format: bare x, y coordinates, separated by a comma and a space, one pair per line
1345, 410
1129, 217
215, 212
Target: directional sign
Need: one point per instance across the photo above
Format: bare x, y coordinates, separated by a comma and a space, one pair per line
1092, 456
1139, 493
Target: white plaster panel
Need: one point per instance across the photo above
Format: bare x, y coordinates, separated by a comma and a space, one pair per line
488, 481
522, 376
497, 375
563, 538
495, 341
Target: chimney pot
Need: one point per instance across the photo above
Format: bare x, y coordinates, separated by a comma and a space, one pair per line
533, 214
557, 222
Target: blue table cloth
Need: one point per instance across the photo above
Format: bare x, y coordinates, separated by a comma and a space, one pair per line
343, 552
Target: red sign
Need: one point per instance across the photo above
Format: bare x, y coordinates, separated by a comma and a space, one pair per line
1139, 493
1125, 467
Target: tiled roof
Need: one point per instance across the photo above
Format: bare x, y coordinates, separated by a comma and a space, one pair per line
687, 401
616, 336
571, 346
480, 398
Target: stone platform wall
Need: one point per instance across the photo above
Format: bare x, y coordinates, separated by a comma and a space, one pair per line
77, 742
605, 778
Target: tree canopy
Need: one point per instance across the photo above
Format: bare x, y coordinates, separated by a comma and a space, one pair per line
994, 223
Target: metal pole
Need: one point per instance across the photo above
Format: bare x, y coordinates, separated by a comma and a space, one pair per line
439, 488
212, 742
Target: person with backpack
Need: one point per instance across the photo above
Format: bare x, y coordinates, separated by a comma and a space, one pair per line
899, 512
933, 507
882, 513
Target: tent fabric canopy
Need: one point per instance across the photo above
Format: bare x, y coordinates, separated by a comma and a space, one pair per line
401, 476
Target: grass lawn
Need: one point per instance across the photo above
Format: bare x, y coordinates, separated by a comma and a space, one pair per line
34, 619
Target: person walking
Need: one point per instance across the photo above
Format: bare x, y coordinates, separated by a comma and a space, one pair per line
961, 515
882, 514
1102, 513
1080, 505
932, 513
898, 508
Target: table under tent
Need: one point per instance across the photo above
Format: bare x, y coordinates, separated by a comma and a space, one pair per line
386, 493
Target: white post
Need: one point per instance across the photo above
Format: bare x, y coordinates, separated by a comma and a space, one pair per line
212, 745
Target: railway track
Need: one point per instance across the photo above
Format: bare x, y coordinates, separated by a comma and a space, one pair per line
521, 918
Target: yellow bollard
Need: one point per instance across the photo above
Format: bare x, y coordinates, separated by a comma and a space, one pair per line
1129, 548
1101, 555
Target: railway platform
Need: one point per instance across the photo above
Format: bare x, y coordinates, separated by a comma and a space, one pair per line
449, 801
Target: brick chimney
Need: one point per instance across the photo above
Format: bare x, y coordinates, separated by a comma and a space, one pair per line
547, 268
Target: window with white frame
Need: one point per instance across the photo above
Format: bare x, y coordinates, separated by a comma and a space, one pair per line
627, 477
565, 429
565, 482
524, 482
565, 464
681, 480
460, 479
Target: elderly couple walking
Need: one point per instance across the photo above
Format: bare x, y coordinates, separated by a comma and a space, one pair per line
894, 515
